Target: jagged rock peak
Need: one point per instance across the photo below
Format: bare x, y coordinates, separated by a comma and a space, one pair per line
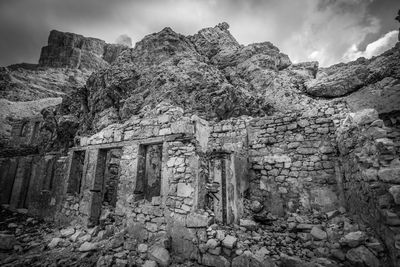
76, 51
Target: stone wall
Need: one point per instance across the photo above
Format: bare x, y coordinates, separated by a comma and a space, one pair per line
371, 176
33, 183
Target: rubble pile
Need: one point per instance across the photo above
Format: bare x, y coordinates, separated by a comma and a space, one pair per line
298, 239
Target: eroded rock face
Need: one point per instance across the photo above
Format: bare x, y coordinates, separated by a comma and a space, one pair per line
343, 79
208, 74
76, 51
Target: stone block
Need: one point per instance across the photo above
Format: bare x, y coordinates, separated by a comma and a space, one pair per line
159, 255
214, 260
364, 116
229, 241
165, 131
390, 175
196, 220
184, 190
395, 192
318, 234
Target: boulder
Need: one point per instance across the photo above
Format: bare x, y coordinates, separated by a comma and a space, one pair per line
363, 257
159, 255
353, 239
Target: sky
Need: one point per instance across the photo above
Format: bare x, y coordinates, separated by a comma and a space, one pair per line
328, 31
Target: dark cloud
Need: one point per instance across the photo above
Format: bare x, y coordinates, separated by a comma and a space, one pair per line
321, 30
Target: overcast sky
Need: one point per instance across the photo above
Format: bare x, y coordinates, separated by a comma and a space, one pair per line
329, 31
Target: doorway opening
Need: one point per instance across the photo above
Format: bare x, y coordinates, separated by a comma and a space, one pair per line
148, 184
76, 173
105, 186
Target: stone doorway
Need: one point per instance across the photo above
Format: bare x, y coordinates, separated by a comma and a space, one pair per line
105, 185
148, 184
228, 181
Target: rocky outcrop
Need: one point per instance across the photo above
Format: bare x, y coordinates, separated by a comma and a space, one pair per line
343, 79
208, 73
76, 51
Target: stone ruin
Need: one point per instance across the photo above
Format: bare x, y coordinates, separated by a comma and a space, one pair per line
176, 187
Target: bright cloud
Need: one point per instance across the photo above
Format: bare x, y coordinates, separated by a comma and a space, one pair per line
373, 49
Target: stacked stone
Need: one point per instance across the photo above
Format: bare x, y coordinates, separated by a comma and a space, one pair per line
181, 184
139, 128
294, 153
229, 135
372, 175
70, 207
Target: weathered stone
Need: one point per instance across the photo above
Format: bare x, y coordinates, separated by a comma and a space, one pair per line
247, 259
362, 256
67, 232
214, 260
389, 175
229, 242
54, 242
395, 191
353, 239
248, 224
318, 234
159, 255
149, 263
212, 243
88, 246
7, 242
184, 190
142, 248
256, 206
195, 220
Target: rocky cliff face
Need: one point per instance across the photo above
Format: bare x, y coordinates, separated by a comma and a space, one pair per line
78, 52
208, 73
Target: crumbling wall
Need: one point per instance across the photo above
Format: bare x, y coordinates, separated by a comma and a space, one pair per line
293, 157
33, 183
371, 175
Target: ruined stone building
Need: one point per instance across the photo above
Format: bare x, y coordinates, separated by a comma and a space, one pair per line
156, 167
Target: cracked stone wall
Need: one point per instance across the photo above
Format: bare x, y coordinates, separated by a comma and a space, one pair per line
371, 175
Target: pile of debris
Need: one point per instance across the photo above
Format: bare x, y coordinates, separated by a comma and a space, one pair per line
299, 239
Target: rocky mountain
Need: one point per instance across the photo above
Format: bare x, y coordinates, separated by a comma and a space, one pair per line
209, 74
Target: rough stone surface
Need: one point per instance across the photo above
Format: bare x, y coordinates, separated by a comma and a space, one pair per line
159, 255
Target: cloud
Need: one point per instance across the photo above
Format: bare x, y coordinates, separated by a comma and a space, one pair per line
124, 39
373, 49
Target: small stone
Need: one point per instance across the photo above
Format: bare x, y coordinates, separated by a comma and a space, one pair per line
142, 248
318, 233
150, 263
67, 232
256, 206
212, 243
248, 224
353, 239
332, 214
229, 241
88, 246
54, 242
395, 192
